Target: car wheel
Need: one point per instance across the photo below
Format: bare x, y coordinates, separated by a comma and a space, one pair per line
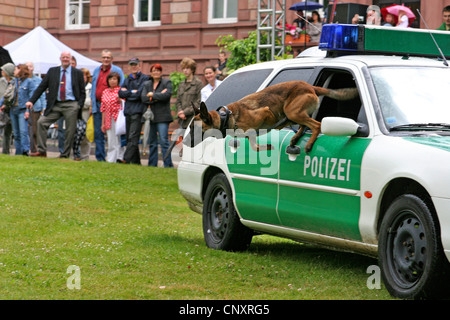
222, 228
410, 252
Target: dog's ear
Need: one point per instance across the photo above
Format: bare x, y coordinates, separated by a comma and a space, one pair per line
196, 109
204, 114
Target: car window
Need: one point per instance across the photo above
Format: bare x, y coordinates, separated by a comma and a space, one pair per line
337, 79
297, 74
352, 109
236, 86
412, 95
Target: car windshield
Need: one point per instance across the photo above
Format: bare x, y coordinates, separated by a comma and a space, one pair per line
412, 98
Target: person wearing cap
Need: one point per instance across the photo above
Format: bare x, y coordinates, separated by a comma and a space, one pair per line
8, 76
134, 108
99, 84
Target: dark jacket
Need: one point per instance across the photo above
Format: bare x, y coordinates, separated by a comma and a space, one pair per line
131, 91
160, 103
51, 82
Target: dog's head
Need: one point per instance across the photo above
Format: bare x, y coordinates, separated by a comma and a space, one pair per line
207, 120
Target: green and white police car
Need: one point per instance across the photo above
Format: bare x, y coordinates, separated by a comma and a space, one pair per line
377, 180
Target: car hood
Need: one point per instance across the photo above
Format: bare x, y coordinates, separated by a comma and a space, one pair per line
435, 142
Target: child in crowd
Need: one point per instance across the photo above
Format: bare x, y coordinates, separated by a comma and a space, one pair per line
110, 107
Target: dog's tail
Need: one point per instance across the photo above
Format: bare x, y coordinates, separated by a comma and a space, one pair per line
338, 94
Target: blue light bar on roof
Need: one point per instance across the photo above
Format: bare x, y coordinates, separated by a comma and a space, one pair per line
365, 39
339, 37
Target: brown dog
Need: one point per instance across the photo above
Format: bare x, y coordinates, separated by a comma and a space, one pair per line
293, 101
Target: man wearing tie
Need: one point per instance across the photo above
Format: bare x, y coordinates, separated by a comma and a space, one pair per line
65, 97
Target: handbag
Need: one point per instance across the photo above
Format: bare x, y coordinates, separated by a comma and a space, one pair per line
4, 119
121, 127
90, 129
10, 93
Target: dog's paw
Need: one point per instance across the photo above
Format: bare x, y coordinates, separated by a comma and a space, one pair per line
294, 150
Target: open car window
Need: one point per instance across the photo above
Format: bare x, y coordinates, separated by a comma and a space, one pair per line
352, 109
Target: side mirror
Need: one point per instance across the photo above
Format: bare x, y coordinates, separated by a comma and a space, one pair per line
339, 127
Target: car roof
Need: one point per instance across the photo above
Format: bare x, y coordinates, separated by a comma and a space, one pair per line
368, 60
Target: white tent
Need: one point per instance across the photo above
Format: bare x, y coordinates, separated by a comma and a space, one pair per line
44, 50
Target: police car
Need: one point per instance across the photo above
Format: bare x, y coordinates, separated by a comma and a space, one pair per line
377, 179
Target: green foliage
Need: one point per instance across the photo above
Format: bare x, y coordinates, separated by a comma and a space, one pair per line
176, 78
285, 56
243, 51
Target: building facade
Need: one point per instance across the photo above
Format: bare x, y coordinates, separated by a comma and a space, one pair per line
162, 31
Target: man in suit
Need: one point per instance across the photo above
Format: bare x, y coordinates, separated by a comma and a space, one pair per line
65, 98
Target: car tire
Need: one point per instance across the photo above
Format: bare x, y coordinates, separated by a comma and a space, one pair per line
411, 257
222, 228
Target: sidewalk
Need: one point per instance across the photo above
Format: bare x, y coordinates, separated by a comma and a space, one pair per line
53, 152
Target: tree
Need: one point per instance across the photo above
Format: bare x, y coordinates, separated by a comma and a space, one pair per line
243, 51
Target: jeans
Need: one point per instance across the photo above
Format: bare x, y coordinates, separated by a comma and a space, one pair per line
20, 129
134, 126
7, 130
161, 129
99, 136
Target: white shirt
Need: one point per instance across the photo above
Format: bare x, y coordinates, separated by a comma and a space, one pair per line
208, 89
404, 22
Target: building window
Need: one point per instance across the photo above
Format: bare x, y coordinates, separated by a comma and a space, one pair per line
222, 11
147, 13
77, 14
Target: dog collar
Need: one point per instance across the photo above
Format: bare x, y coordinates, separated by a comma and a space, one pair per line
224, 118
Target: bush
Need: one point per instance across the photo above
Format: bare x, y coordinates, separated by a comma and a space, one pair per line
176, 78
243, 51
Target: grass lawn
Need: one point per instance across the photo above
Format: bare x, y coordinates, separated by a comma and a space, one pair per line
132, 236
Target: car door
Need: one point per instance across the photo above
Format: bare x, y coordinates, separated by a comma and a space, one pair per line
255, 176
255, 173
320, 191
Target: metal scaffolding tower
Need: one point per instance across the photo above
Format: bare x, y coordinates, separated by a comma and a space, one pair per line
270, 28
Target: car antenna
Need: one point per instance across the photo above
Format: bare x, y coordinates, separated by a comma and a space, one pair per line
440, 51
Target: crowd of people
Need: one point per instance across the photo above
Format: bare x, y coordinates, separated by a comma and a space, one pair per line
69, 96
311, 25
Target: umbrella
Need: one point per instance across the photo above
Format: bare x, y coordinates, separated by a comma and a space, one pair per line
395, 10
384, 13
4, 56
305, 5
148, 116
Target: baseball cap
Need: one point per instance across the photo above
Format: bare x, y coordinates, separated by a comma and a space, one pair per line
133, 61
9, 69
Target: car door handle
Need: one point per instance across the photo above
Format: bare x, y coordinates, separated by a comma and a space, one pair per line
234, 144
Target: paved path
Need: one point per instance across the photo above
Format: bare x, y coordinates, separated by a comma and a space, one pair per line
52, 152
